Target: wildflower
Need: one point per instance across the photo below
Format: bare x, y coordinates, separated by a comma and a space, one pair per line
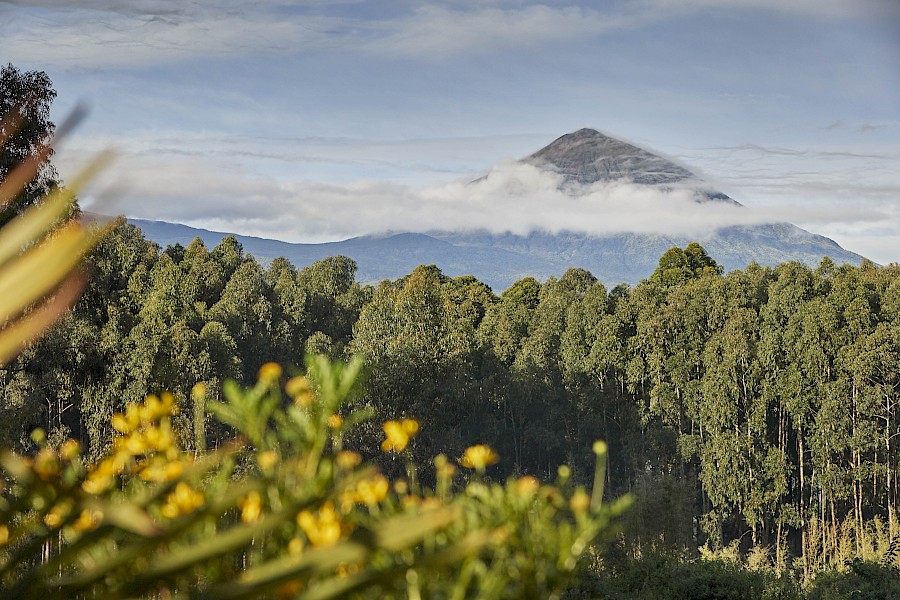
321, 529
162, 470
251, 507
300, 389
527, 486
46, 464
70, 450
267, 460
182, 501
269, 373
161, 438
335, 421
372, 491
347, 459
478, 457
580, 502
152, 408
120, 423
127, 422
88, 520
101, 477
57, 515
398, 433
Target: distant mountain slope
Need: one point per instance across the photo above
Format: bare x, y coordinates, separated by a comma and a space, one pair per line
582, 158
377, 257
500, 260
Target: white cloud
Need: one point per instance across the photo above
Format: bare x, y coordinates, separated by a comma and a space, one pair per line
98, 33
512, 197
438, 31
119, 34
811, 8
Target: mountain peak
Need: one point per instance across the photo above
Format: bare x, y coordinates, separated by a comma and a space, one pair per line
588, 156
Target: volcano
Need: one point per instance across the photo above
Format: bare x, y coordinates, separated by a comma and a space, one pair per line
579, 160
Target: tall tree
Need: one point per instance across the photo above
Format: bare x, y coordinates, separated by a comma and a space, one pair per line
26, 96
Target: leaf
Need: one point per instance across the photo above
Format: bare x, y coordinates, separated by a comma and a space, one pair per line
396, 534
16, 337
38, 271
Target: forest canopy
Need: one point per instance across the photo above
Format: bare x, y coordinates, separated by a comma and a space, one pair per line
764, 401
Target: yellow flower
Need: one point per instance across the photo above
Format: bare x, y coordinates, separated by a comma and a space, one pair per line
580, 502
372, 491
347, 459
120, 423
251, 507
46, 464
335, 421
269, 373
152, 407
323, 528
267, 460
478, 457
527, 486
398, 433
155, 438
100, 478
162, 470
134, 444
300, 389
88, 520
182, 501
57, 515
70, 450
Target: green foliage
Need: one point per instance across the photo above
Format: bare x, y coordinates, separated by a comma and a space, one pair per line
861, 580
289, 512
661, 576
25, 134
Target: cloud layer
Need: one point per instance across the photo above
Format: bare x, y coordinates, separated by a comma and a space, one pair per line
512, 197
120, 33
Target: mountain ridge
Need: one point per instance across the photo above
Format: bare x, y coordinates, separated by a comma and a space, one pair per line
581, 159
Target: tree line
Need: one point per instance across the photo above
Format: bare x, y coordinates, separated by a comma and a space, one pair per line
759, 405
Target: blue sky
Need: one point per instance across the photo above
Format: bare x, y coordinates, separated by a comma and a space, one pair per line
319, 120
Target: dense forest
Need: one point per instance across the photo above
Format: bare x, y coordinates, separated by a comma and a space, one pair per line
756, 408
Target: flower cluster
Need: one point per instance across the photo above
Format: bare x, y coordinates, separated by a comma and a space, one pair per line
324, 527
145, 432
398, 433
479, 457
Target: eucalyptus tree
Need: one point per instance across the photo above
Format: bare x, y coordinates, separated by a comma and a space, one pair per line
25, 99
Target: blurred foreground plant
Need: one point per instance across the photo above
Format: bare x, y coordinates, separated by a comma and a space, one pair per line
40, 249
288, 513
